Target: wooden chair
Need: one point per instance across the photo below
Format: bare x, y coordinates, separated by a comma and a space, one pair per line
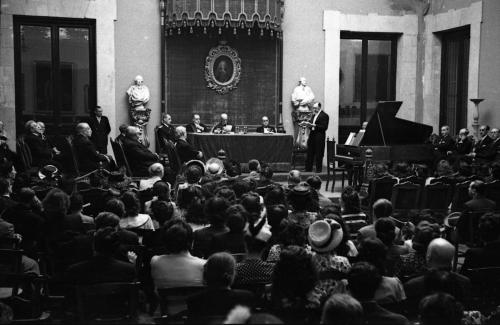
298, 152
380, 188
121, 159
405, 196
74, 158
436, 197
446, 180
485, 283
493, 192
107, 303
24, 153
173, 301
468, 227
413, 179
460, 196
330, 165
27, 308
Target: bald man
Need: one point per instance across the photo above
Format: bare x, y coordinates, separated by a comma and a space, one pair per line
223, 126
439, 259
138, 156
86, 152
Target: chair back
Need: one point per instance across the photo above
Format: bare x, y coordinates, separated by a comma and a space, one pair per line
493, 192
436, 196
460, 196
11, 261
381, 188
413, 179
330, 152
121, 159
174, 300
485, 283
468, 227
107, 302
446, 180
74, 157
405, 196
24, 153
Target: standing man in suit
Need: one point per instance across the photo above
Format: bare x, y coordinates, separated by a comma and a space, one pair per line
100, 130
196, 126
139, 157
265, 127
86, 153
483, 151
496, 143
316, 141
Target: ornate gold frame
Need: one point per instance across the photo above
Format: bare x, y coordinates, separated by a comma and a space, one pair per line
227, 54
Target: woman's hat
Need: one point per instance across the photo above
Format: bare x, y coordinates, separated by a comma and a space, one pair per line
215, 166
119, 181
49, 171
325, 235
198, 163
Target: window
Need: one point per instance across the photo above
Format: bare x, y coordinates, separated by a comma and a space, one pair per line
454, 79
367, 75
55, 71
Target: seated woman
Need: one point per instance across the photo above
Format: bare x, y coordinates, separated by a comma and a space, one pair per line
218, 298
352, 215
178, 268
132, 218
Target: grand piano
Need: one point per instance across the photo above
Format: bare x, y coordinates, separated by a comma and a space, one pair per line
389, 137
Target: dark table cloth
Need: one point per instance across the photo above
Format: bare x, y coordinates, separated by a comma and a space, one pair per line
275, 149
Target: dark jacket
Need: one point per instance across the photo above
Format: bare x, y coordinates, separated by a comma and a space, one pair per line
185, 151
444, 144
218, 302
100, 132
260, 129
480, 204
484, 150
5, 203
373, 314
165, 132
487, 256
231, 242
219, 127
41, 151
191, 128
203, 239
28, 224
101, 269
139, 157
464, 147
86, 154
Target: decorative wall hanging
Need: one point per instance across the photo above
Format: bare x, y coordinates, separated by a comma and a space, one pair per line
222, 69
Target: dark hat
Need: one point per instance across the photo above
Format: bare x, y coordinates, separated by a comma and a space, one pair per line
119, 181
301, 190
49, 171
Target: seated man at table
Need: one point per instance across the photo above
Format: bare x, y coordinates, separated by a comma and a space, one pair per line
185, 150
139, 157
223, 126
196, 126
265, 127
86, 153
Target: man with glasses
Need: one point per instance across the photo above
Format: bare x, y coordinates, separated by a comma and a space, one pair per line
265, 127
444, 145
483, 151
196, 126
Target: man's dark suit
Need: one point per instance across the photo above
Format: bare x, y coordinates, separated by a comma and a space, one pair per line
191, 128
316, 142
260, 129
139, 157
100, 132
219, 127
166, 132
86, 154
186, 151
464, 147
28, 224
6, 202
496, 148
41, 151
487, 256
484, 150
443, 145
101, 269
373, 314
473, 210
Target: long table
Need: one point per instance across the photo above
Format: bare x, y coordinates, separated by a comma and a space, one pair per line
275, 149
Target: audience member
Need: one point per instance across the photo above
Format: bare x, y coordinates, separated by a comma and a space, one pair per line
252, 270
257, 220
232, 241
102, 267
382, 208
292, 235
132, 218
155, 175
215, 211
342, 309
489, 254
315, 184
350, 203
5, 192
364, 280
218, 298
440, 308
185, 150
390, 289
138, 155
386, 232
300, 199
178, 268
76, 207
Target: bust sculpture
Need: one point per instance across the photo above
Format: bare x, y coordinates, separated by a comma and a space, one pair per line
302, 96
138, 98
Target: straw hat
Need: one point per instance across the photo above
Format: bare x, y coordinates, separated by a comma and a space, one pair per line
325, 235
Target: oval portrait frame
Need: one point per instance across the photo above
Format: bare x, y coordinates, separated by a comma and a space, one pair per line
222, 69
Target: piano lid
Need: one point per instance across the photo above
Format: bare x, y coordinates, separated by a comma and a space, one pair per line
385, 129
